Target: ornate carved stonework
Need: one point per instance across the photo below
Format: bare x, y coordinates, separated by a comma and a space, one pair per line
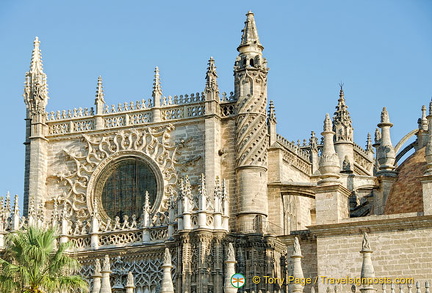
152, 144
251, 121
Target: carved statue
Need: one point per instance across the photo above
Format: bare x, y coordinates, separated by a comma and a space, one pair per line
297, 249
130, 280
365, 243
106, 264
167, 257
97, 269
231, 253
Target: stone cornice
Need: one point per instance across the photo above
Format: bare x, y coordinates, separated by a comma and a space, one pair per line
372, 224
294, 187
333, 188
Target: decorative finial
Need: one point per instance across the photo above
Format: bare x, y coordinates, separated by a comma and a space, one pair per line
384, 116
99, 91
341, 92
430, 107
423, 123
36, 88
327, 124
342, 124
271, 111
329, 165
313, 141
377, 136
369, 143
16, 207
211, 77
250, 33
157, 87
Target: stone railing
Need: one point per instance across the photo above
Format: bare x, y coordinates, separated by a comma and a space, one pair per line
293, 148
69, 114
361, 159
298, 162
134, 113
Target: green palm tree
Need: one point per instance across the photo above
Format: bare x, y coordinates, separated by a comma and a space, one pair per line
31, 263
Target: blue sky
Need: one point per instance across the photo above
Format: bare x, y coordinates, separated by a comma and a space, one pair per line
381, 50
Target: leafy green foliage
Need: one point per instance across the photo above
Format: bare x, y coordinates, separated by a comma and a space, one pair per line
32, 263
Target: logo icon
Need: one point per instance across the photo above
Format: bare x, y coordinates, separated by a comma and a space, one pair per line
238, 280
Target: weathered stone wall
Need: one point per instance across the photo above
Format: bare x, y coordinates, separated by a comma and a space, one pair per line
399, 251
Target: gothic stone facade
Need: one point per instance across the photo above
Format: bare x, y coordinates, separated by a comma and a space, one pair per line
194, 173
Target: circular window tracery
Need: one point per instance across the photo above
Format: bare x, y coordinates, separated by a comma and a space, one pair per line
123, 186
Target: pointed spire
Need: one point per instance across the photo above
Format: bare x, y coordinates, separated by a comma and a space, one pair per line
329, 161
385, 153
36, 88
99, 102
271, 121
272, 112
250, 33
157, 87
211, 77
36, 61
99, 91
369, 143
423, 125
428, 154
342, 124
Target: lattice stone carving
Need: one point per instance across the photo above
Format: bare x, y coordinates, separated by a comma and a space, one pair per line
228, 110
175, 113
195, 111
81, 243
140, 118
145, 267
158, 234
58, 128
152, 143
83, 125
120, 238
116, 121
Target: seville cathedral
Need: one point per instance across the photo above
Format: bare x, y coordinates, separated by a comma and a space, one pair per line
178, 193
